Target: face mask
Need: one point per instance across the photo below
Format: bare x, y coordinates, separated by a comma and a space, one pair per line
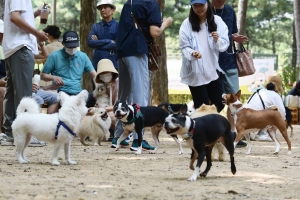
106, 78
71, 51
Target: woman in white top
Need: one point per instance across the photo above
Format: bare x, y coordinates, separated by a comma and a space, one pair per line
202, 36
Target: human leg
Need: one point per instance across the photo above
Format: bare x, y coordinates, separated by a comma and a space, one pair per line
200, 95
51, 98
215, 91
2, 93
19, 70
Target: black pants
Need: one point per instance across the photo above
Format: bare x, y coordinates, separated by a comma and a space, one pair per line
210, 93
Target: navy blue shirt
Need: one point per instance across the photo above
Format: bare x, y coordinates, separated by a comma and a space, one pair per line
130, 40
226, 58
2, 69
104, 47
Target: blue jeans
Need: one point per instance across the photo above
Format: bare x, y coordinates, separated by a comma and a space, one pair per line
42, 96
133, 84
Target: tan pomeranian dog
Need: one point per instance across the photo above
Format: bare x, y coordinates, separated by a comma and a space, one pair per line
205, 110
95, 127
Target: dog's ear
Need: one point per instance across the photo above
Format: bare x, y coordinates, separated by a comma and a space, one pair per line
238, 95
83, 95
183, 109
117, 103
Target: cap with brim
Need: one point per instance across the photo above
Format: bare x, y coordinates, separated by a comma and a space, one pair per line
198, 1
1, 26
106, 2
277, 81
70, 39
105, 65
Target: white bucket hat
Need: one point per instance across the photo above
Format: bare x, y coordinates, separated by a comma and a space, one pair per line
106, 2
105, 65
1, 26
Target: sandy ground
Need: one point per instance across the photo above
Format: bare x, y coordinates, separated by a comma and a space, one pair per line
102, 173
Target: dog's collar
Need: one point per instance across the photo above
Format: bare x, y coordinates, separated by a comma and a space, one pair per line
191, 131
137, 115
61, 123
236, 111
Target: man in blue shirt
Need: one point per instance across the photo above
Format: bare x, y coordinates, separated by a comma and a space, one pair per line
103, 34
66, 66
132, 51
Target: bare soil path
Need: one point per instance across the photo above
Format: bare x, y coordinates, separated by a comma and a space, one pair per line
102, 173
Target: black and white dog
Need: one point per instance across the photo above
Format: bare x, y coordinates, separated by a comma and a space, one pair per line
201, 134
135, 118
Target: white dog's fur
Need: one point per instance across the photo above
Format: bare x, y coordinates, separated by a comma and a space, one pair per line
43, 126
205, 110
99, 93
95, 127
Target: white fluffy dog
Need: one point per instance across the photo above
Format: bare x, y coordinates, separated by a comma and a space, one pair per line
205, 110
95, 127
52, 128
100, 95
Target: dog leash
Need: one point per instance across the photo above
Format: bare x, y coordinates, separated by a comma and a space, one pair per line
61, 123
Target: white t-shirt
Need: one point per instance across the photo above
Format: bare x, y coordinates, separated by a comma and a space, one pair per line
15, 38
270, 98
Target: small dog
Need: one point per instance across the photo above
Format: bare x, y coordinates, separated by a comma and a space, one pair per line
135, 118
95, 127
201, 134
53, 128
174, 108
206, 110
248, 120
100, 95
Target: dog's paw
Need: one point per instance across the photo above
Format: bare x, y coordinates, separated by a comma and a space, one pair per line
289, 153
23, 161
152, 152
203, 174
55, 163
180, 152
138, 152
276, 152
72, 162
193, 177
247, 153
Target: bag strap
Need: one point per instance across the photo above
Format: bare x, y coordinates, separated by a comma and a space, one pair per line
235, 51
137, 26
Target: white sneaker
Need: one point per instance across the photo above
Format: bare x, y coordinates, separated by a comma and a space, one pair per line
5, 140
263, 137
36, 143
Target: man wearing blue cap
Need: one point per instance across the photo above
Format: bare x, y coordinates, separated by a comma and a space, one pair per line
65, 67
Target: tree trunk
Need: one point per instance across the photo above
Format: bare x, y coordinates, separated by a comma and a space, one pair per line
87, 18
2, 5
241, 18
297, 28
159, 79
294, 54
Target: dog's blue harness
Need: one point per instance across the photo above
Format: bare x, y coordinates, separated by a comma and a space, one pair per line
138, 114
61, 123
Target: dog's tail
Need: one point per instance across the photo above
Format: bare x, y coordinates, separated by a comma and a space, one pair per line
82, 139
29, 105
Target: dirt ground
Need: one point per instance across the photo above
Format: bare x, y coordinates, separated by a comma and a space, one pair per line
102, 173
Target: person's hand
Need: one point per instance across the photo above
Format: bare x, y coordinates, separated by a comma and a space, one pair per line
35, 87
168, 21
57, 80
239, 38
215, 36
39, 10
94, 37
3, 82
41, 36
197, 54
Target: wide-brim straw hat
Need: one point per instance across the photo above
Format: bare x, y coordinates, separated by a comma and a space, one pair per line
277, 81
105, 2
105, 65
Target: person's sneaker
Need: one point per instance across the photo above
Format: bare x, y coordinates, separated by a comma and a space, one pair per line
122, 144
36, 143
6, 141
145, 145
263, 137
